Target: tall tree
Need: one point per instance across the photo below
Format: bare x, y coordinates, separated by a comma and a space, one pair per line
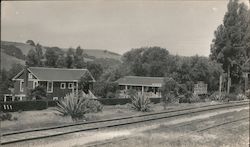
32, 58
228, 46
39, 52
78, 58
51, 58
31, 42
70, 58
147, 61
61, 61
95, 69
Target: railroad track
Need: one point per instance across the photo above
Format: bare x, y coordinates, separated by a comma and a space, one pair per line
119, 139
33, 134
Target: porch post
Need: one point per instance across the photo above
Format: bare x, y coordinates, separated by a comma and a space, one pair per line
142, 89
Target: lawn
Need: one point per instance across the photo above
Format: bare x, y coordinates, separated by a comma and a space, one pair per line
49, 117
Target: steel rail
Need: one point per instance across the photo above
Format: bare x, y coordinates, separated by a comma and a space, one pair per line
106, 120
213, 107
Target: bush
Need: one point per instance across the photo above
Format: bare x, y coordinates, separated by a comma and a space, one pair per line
23, 106
7, 116
77, 106
73, 106
195, 98
140, 103
93, 105
38, 93
241, 96
184, 99
217, 97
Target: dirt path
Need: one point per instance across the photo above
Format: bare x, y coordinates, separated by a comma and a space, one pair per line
81, 139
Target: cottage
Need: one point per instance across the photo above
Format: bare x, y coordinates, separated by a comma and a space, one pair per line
149, 86
57, 81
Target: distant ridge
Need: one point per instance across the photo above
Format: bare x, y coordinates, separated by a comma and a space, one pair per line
8, 60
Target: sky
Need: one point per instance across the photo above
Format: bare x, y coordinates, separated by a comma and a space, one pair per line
183, 27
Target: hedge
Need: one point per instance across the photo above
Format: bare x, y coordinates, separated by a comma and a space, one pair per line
23, 106
40, 105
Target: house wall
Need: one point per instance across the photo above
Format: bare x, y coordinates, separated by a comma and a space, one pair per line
17, 86
58, 92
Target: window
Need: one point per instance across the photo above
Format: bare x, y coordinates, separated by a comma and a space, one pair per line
55, 98
21, 86
70, 86
35, 84
50, 86
30, 76
63, 85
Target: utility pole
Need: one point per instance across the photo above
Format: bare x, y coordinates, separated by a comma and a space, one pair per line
25, 88
220, 85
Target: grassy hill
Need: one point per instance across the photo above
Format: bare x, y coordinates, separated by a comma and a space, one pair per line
91, 54
7, 61
97, 53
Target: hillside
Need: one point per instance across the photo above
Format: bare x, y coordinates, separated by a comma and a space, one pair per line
7, 61
7, 58
97, 53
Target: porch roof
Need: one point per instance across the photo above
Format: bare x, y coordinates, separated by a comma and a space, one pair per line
141, 81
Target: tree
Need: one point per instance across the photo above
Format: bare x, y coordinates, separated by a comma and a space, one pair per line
39, 93
70, 58
6, 78
61, 61
32, 59
229, 47
78, 58
148, 61
39, 52
84, 83
51, 58
169, 90
30, 42
95, 69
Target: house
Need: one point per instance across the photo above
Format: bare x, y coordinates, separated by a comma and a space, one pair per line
149, 86
57, 81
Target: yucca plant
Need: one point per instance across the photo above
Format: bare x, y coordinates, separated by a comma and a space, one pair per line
73, 106
140, 103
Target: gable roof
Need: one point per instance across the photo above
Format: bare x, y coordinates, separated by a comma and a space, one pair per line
57, 74
141, 81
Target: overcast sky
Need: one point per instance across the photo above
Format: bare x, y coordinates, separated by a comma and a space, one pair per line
182, 27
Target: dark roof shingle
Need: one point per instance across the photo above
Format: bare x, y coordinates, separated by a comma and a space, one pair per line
58, 74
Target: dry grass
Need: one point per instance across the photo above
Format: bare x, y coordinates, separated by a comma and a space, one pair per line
49, 117
231, 135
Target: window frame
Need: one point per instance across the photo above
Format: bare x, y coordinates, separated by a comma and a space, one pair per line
70, 87
50, 90
62, 87
30, 76
21, 85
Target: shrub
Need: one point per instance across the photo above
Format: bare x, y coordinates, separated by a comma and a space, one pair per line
73, 106
195, 98
93, 105
5, 116
77, 106
140, 103
230, 97
217, 97
38, 93
241, 96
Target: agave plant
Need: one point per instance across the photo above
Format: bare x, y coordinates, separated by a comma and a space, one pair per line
73, 106
140, 103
